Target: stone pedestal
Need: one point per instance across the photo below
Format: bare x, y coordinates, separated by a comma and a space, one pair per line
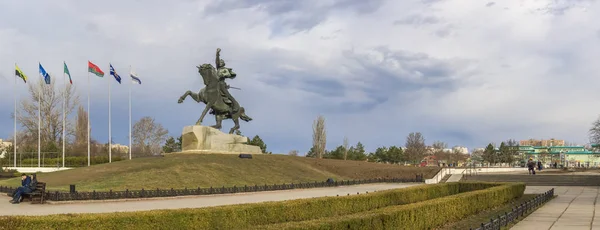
204, 139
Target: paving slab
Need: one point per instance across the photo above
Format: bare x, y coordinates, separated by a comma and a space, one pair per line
574, 208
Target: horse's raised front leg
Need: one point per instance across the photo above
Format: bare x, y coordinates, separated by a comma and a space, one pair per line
199, 122
196, 97
187, 93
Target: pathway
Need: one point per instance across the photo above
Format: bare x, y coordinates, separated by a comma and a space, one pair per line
7, 208
574, 208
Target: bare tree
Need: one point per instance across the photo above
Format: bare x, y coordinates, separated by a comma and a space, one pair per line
477, 155
148, 135
457, 156
346, 145
570, 143
511, 142
81, 132
594, 132
319, 136
50, 99
293, 153
439, 151
415, 147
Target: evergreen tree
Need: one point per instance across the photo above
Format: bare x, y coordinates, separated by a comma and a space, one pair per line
256, 141
395, 155
357, 153
489, 154
179, 143
337, 153
170, 145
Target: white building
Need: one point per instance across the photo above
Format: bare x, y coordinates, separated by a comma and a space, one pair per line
120, 148
3, 146
461, 149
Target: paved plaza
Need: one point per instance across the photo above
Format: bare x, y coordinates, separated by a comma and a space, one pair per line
574, 208
26, 208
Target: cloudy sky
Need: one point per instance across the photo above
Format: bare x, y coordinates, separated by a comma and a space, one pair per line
467, 72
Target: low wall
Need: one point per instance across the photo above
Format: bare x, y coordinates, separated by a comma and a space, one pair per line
445, 171
36, 169
487, 170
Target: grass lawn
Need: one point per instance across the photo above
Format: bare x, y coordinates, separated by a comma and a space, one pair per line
484, 217
205, 170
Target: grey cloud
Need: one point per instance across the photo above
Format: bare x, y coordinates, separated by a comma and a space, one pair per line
444, 32
417, 20
489, 4
295, 15
429, 2
307, 81
402, 71
560, 7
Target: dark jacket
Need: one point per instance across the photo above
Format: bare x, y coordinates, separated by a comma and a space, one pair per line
33, 184
26, 182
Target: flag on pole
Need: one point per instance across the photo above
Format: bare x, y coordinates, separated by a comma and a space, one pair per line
114, 73
20, 73
67, 73
92, 68
44, 74
134, 78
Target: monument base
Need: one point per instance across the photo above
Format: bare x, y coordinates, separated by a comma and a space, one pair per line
203, 139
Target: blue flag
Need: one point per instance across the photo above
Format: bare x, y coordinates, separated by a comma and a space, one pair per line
114, 73
44, 74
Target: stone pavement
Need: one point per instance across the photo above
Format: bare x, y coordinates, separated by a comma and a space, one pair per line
574, 208
26, 208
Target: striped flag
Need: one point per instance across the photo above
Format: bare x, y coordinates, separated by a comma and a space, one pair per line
67, 72
20, 73
134, 78
92, 68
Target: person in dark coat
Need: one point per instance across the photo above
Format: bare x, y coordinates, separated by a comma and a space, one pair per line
30, 183
531, 166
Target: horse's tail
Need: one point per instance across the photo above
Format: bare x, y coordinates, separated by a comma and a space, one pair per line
243, 115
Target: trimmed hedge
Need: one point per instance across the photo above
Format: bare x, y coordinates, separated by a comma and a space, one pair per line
245, 216
421, 215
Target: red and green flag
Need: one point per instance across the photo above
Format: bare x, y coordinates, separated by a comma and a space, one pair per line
92, 68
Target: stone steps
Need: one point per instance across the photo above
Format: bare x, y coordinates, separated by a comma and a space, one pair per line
446, 177
540, 180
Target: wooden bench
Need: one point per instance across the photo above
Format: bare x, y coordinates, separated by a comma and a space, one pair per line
38, 195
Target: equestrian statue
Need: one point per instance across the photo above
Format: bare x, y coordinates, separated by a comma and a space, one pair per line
216, 95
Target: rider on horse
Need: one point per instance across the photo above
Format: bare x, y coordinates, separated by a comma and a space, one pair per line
222, 74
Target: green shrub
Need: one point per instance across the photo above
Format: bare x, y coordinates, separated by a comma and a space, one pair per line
243, 216
421, 215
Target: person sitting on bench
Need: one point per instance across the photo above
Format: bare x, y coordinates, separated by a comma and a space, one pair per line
30, 187
25, 180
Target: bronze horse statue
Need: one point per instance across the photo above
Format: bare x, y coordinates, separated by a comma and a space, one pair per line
212, 96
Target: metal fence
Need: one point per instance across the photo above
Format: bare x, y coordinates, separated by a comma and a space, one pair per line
517, 211
128, 194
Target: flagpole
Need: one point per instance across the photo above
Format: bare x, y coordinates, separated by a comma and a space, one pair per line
109, 127
41, 85
88, 117
15, 137
130, 83
64, 117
